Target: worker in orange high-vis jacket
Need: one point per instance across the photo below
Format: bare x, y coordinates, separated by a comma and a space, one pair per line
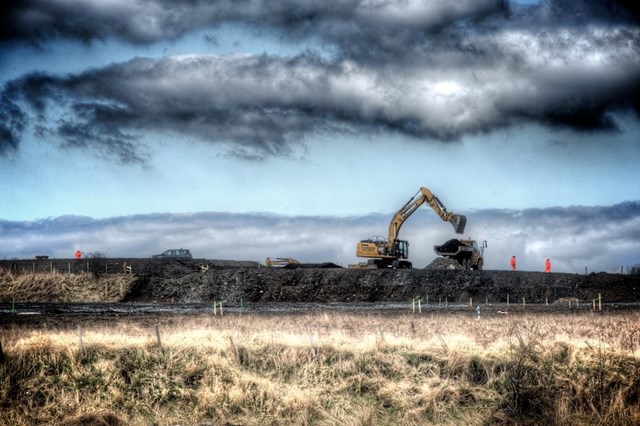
78, 254
547, 266
513, 263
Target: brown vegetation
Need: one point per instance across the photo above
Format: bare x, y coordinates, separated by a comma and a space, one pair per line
60, 287
326, 369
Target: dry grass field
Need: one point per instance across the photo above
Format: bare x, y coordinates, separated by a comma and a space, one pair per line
63, 287
325, 369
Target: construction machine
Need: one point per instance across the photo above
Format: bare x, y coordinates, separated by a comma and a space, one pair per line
391, 252
466, 252
280, 262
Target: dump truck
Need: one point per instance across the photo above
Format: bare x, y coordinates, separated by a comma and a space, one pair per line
391, 252
466, 252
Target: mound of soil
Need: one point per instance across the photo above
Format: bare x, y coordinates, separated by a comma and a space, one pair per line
326, 265
204, 281
378, 285
444, 263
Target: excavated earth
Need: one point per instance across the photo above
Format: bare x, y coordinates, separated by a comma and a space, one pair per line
175, 282
205, 281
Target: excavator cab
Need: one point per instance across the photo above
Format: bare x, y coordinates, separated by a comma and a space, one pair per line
401, 249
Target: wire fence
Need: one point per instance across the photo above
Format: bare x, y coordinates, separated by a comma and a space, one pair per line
66, 266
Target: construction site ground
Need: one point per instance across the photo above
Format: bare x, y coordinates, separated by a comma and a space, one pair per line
163, 288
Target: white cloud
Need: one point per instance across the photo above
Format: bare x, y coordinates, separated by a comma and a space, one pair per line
598, 238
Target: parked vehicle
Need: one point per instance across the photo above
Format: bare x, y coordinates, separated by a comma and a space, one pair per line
180, 254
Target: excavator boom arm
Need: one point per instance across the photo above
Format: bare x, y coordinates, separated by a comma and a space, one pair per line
422, 196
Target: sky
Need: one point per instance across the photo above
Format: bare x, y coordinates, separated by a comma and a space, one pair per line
247, 129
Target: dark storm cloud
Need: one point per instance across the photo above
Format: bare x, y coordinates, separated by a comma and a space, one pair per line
428, 70
360, 28
260, 104
146, 21
12, 123
598, 238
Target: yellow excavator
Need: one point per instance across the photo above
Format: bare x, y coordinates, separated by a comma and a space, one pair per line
392, 252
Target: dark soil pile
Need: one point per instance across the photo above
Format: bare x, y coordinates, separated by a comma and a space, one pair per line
328, 285
444, 263
203, 281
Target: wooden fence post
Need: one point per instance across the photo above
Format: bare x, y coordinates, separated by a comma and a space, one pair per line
311, 346
233, 345
159, 341
444, 345
599, 301
81, 344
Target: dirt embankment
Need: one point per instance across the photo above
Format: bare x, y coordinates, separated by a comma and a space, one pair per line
348, 285
212, 280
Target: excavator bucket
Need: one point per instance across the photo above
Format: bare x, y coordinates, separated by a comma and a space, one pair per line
459, 222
